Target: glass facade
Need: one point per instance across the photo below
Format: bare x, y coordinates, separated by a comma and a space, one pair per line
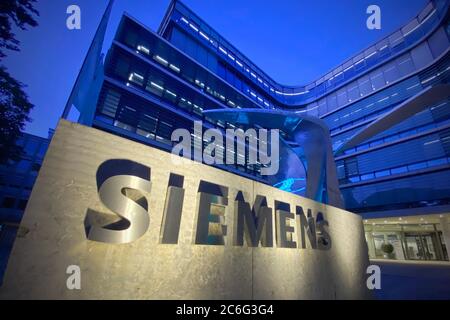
16, 182
156, 82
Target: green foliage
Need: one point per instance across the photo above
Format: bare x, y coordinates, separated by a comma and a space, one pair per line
387, 248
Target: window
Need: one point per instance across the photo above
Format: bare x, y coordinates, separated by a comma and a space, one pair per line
136, 78
377, 80
367, 176
42, 150
437, 162
22, 204
340, 171
123, 126
352, 167
8, 202
417, 166
383, 173
399, 170
23, 166
35, 167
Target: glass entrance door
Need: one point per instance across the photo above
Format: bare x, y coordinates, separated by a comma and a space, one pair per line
421, 246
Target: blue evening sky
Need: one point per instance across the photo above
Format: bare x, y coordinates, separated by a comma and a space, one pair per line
294, 41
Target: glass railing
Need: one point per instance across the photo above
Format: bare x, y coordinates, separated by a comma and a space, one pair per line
416, 166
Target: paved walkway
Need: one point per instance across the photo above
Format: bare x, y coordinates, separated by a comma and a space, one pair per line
413, 280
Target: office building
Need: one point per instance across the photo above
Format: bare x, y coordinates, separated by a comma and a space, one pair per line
387, 109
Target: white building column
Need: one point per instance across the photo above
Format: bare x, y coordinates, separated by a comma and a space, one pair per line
370, 245
445, 227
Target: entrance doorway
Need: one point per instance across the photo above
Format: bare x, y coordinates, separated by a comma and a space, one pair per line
422, 246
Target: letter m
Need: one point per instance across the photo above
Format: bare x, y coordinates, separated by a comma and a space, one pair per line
255, 223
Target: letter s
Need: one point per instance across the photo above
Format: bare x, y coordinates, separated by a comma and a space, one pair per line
113, 194
324, 239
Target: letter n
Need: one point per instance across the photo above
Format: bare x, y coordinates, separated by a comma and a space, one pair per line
306, 226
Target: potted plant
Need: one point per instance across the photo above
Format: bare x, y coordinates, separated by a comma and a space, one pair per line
388, 250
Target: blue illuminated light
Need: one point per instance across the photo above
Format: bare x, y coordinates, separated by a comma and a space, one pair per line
286, 185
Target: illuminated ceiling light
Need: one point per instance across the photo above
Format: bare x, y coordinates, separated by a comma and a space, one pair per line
348, 68
156, 85
371, 54
428, 17
427, 80
223, 50
174, 68
197, 107
231, 57
133, 75
184, 20
239, 63
143, 49
161, 60
292, 94
431, 142
204, 35
193, 27
171, 93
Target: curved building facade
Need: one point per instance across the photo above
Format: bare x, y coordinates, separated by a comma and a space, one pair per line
387, 108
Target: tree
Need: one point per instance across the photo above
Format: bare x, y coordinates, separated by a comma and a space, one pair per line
14, 104
14, 110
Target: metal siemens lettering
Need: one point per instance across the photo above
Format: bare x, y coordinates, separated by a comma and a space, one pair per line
124, 187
